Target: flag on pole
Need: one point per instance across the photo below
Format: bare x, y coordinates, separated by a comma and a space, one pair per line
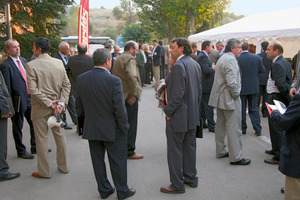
83, 23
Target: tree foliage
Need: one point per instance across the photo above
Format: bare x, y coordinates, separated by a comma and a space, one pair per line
32, 19
133, 32
178, 18
117, 12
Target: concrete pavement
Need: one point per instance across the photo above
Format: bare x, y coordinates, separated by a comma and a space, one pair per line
217, 179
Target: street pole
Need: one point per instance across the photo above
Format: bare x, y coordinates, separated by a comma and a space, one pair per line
7, 14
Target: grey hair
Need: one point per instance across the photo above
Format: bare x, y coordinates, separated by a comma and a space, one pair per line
231, 43
100, 56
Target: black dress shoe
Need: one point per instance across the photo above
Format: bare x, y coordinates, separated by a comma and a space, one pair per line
282, 190
205, 125
108, 194
26, 155
33, 151
192, 185
9, 176
170, 190
269, 152
130, 193
258, 133
243, 161
224, 156
272, 161
67, 127
211, 130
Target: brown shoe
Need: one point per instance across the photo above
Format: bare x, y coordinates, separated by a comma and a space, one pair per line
272, 161
136, 156
36, 175
269, 152
168, 189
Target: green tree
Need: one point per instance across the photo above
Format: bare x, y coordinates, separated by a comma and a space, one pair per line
128, 7
133, 32
117, 12
32, 19
178, 18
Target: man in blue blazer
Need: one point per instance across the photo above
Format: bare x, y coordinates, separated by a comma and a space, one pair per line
182, 117
263, 78
290, 151
100, 97
208, 74
251, 67
156, 60
278, 87
13, 70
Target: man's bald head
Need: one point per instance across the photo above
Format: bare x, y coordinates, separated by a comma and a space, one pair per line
82, 48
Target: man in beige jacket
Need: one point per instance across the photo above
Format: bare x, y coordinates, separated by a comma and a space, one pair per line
49, 87
126, 69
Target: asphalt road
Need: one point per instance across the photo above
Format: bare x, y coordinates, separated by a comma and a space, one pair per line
217, 179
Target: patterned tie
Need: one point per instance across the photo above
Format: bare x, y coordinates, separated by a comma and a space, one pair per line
23, 74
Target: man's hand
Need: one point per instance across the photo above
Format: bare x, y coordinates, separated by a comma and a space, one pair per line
168, 118
54, 104
213, 66
59, 109
293, 91
131, 100
6, 115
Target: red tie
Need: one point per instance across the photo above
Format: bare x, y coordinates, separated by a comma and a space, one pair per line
23, 74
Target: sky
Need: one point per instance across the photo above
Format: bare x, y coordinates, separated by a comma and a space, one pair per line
239, 7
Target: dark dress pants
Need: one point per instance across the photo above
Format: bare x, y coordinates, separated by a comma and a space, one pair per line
253, 112
17, 125
71, 109
207, 112
276, 135
3, 146
181, 153
148, 68
262, 93
132, 113
117, 157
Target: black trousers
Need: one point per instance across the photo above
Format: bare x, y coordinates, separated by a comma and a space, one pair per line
3, 146
17, 125
276, 134
117, 157
71, 109
262, 94
207, 112
132, 113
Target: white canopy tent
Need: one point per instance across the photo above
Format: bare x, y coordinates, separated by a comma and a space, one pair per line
282, 26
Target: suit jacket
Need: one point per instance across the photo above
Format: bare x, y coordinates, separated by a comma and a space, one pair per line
113, 59
281, 73
16, 84
157, 56
208, 73
290, 151
47, 81
126, 69
5, 105
77, 65
251, 67
100, 97
214, 56
227, 83
263, 78
184, 94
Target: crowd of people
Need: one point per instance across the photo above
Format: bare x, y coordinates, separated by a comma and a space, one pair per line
102, 93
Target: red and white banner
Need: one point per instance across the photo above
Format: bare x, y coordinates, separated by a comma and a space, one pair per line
83, 23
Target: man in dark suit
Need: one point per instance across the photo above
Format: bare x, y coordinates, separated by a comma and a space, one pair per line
278, 87
290, 151
100, 97
162, 59
114, 56
5, 112
79, 64
182, 117
63, 55
263, 78
156, 60
13, 70
195, 49
251, 67
208, 73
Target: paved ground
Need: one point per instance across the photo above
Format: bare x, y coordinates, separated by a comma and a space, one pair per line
217, 179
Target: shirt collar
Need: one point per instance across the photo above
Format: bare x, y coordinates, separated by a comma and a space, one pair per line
100, 67
180, 57
276, 58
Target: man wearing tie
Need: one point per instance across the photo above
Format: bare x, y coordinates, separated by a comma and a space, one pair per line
13, 70
63, 55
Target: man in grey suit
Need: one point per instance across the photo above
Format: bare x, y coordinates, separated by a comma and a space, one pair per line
5, 112
251, 67
100, 97
225, 97
182, 117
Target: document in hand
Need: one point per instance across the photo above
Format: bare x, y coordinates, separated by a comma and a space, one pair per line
278, 106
